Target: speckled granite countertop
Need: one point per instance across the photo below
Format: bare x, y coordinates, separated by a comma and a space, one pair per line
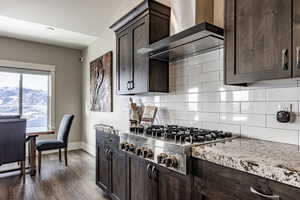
276, 161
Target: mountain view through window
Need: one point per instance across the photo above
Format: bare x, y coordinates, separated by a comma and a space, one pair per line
34, 103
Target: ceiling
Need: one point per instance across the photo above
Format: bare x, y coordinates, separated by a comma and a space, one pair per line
24, 30
69, 23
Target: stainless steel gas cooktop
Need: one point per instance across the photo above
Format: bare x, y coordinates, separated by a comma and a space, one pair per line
169, 146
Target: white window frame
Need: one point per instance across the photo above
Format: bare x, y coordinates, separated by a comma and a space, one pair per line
49, 69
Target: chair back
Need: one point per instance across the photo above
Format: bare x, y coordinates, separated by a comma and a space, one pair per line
64, 128
12, 140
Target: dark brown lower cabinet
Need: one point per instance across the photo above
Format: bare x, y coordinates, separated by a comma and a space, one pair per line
102, 168
111, 167
173, 186
140, 184
149, 181
214, 182
118, 175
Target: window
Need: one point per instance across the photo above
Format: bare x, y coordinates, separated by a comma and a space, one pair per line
9, 93
26, 93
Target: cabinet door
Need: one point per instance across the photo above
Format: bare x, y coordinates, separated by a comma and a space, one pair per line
257, 40
140, 185
173, 186
119, 175
124, 66
102, 168
140, 39
296, 38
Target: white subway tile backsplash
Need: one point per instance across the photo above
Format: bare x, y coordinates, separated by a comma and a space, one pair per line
243, 119
253, 107
232, 107
204, 58
197, 116
211, 107
199, 98
272, 123
244, 95
270, 134
209, 97
207, 76
212, 66
283, 94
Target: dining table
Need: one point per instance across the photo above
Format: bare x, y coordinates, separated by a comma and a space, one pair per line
31, 138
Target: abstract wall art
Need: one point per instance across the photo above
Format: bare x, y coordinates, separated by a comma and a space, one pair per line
101, 83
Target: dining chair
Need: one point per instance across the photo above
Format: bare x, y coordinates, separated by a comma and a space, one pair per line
12, 142
61, 142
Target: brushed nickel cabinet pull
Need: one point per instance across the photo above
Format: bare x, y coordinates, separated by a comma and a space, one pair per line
298, 57
273, 197
284, 59
128, 85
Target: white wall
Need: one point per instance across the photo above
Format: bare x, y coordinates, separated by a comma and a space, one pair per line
67, 75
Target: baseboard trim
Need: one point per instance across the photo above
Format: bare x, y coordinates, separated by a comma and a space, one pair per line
90, 149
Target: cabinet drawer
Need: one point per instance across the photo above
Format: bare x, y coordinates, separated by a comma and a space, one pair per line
218, 183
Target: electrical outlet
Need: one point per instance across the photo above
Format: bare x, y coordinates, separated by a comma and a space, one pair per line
286, 110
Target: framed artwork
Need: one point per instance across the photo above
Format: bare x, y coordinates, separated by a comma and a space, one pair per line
101, 83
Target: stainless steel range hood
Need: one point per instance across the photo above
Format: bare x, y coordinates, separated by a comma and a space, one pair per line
198, 39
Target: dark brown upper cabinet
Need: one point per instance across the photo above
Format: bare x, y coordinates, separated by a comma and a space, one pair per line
144, 25
259, 40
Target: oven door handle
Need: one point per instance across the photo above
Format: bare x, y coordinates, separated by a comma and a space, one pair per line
106, 153
149, 171
154, 173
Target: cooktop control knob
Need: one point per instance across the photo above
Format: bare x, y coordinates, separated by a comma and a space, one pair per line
150, 154
161, 157
147, 153
127, 146
138, 151
174, 162
122, 145
171, 161
131, 147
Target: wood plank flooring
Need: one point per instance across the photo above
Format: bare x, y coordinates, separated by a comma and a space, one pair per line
56, 182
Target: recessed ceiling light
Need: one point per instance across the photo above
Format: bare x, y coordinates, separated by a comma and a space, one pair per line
49, 28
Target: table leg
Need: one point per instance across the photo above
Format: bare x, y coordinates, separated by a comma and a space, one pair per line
33, 156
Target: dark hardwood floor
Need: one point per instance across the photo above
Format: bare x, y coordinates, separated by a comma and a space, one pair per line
56, 182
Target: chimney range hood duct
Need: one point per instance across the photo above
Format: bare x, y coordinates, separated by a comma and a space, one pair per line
198, 39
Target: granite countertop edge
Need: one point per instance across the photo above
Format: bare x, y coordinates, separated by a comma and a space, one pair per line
279, 173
